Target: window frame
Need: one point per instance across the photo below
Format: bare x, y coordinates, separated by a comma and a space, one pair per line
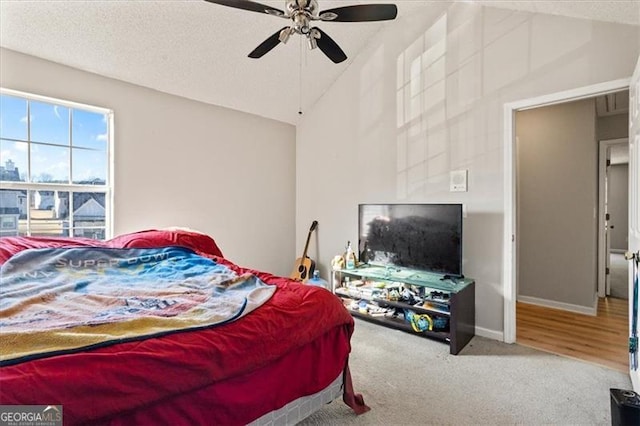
107, 189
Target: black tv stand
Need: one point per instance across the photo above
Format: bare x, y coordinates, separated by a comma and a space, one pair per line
436, 306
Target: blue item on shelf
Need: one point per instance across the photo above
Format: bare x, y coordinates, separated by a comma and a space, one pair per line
440, 323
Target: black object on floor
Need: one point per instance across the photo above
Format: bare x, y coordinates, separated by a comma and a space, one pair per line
625, 407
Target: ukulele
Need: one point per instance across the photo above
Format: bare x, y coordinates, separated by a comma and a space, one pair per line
304, 266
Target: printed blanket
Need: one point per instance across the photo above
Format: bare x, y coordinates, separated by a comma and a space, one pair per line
65, 299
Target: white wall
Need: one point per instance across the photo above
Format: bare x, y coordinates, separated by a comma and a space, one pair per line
427, 99
183, 163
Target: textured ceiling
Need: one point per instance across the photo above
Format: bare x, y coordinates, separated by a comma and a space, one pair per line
199, 50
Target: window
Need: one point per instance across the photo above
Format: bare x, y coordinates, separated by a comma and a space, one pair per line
55, 167
8, 222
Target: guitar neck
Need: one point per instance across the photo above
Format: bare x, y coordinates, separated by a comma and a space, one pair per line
306, 245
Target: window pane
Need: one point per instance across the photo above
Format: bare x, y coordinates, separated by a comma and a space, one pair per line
89, 167
12, 209
89, 130
49, 147
49, 123
13, 160
49, 212
49, 163
13, 118
89, 215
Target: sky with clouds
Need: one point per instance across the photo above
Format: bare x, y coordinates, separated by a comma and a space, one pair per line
64, 141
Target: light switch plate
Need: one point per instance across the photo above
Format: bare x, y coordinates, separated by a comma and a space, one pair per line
458, 181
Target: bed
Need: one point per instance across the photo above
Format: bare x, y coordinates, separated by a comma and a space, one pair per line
276, 351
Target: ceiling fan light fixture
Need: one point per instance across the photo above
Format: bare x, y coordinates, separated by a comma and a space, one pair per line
312, 42
285, 34
301, 22
313, 37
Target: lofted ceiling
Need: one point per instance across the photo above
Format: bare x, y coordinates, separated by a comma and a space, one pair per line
198, 50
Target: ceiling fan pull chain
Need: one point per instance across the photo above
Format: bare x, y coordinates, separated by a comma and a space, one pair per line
300, 80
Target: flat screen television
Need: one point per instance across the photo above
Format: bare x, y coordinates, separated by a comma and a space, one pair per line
420, 236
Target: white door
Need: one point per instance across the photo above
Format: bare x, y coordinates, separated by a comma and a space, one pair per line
607, 225
634, 211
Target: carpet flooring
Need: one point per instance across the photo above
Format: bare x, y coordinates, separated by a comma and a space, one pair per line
410, 380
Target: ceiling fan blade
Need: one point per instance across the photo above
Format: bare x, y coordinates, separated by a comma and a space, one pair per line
360, 13
249, 5
330, 47
267, 45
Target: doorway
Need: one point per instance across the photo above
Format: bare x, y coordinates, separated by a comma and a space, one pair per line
511, 243
613, 217
557, 188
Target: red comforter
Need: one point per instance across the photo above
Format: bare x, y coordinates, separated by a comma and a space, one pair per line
102, 384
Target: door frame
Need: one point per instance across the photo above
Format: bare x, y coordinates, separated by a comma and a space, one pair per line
509, 139
603, 147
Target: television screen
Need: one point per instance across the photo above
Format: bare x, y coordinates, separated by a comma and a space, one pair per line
421, 236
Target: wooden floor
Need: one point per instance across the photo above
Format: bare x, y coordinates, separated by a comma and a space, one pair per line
601, 339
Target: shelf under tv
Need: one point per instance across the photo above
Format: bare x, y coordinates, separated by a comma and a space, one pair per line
369, 300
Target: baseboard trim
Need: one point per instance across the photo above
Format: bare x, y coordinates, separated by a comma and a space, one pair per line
558, 305
490, 334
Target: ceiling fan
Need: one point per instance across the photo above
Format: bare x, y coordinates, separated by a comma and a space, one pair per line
302, 13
